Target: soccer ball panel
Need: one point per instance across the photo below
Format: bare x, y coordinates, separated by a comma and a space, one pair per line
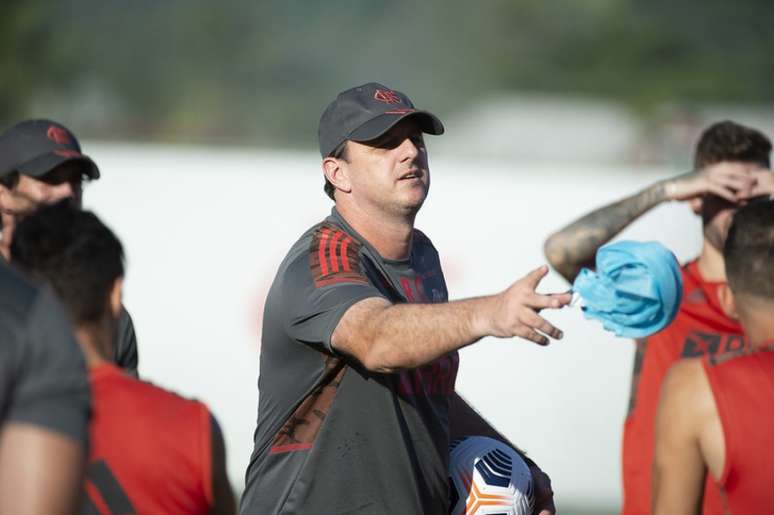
487, 477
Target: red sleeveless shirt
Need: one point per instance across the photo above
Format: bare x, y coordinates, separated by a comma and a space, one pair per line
150, 449
701, 328
743, 387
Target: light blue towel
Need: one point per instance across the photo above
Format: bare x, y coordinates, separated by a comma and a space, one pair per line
636, 289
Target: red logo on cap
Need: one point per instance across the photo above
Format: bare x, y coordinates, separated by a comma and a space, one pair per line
58, 135
387, 96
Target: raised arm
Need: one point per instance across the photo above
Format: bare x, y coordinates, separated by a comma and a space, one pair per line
574, 246
387, 337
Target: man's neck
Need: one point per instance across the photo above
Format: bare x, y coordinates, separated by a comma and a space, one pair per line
94, 342
390, 236
755, 314
711, 264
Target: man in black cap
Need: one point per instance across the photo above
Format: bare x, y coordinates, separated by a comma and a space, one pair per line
357, 404
41, 163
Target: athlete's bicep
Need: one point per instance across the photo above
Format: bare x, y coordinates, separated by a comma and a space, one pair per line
678, 466
353, 331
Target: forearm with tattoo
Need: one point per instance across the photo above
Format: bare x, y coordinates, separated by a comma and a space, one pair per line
574, 247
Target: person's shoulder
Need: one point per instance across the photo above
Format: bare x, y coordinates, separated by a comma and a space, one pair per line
327, 253
150, 395
422, 242
17, 293
686, 387
685, 371
420, 238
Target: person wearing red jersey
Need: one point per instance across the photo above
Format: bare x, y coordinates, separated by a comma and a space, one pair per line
151, 451
715, 412
731, 166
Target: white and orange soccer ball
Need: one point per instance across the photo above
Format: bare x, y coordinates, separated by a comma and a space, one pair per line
488, 477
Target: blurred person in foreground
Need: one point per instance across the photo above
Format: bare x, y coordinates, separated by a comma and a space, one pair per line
730, 168
41, 163
151, 450
44, 402
357, 401
715, 413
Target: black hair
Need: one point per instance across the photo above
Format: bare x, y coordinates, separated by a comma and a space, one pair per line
749, 250
75, 253
730, 141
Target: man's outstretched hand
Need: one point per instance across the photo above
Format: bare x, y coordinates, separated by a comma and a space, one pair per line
514, 312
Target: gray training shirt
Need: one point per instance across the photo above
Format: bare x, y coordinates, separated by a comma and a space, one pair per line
332, 437
43, 379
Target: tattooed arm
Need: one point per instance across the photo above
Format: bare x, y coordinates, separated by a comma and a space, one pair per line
574, 247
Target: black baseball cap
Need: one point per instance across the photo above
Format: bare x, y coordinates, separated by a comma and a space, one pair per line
35, 147
365, 112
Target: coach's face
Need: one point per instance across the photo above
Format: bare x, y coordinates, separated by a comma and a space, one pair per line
391, 172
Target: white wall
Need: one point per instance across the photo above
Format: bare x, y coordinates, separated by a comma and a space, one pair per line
205, 229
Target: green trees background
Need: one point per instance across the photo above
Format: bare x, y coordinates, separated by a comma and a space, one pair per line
260, 72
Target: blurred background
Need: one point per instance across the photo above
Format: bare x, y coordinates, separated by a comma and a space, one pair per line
203, 119
259, 73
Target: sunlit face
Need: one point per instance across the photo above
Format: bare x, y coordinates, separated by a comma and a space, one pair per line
390, 173
29, 193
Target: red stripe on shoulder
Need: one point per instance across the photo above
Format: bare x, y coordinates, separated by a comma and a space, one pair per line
334, 257
321, 259
344, 256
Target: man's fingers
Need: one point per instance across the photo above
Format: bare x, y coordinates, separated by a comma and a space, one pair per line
539, 323
722, 192
737, 182
553, 300
534, 336
533, 278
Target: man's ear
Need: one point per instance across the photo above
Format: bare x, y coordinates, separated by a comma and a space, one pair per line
696, 204
728, 301
116, 294
336, 172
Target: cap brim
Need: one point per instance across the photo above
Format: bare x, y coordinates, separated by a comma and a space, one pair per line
44, 163
372, 129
